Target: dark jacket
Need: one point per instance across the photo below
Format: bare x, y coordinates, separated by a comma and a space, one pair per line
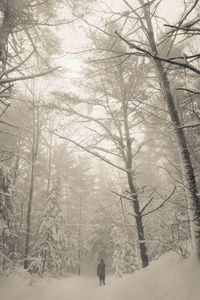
101, 268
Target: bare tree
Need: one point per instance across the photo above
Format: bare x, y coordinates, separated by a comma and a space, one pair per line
113, 120
144, 14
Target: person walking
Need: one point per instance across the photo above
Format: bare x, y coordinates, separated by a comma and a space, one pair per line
101, 268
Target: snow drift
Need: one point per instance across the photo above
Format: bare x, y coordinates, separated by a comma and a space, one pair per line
169, 278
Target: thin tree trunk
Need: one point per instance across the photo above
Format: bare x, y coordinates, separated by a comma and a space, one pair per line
49, 163
45, 255
35, 143
4, 34
184, 154
80, 236
28, 220
133, 190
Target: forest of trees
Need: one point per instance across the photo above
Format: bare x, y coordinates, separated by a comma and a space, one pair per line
105, 163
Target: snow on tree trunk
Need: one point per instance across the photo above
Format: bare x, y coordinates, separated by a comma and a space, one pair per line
139, 223
5, 216
31, 190
133, 190
11, 10
28, 221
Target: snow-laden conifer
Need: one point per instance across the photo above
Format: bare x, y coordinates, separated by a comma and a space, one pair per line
51, 246
124, 260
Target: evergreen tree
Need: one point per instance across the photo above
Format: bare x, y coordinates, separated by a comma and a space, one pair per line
50, 249
124, 260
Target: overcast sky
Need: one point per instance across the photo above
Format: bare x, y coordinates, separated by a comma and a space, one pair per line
73, 37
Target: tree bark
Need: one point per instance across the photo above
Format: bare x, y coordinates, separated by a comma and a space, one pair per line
49, 162
79, 235
139, 222
29, 210
34, 151
4, 34
184, 154
11, 10
133, 190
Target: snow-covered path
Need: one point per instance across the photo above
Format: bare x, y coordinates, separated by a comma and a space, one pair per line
74, 288
169, 278
63, 289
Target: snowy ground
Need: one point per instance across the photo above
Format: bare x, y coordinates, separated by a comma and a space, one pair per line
169, 278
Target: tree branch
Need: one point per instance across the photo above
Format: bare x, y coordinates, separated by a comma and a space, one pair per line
8, 124
188, 90
93, 153
8, 80
121, 195
156, 57
147, 204
161, 205
190, 125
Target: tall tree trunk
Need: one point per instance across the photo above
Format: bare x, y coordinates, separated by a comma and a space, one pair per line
133, 190
5, 28
80, 235
35, 143
184, 154
29, 210
11, 10
49, 162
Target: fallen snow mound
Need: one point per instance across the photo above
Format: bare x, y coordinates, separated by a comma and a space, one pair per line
169, 278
